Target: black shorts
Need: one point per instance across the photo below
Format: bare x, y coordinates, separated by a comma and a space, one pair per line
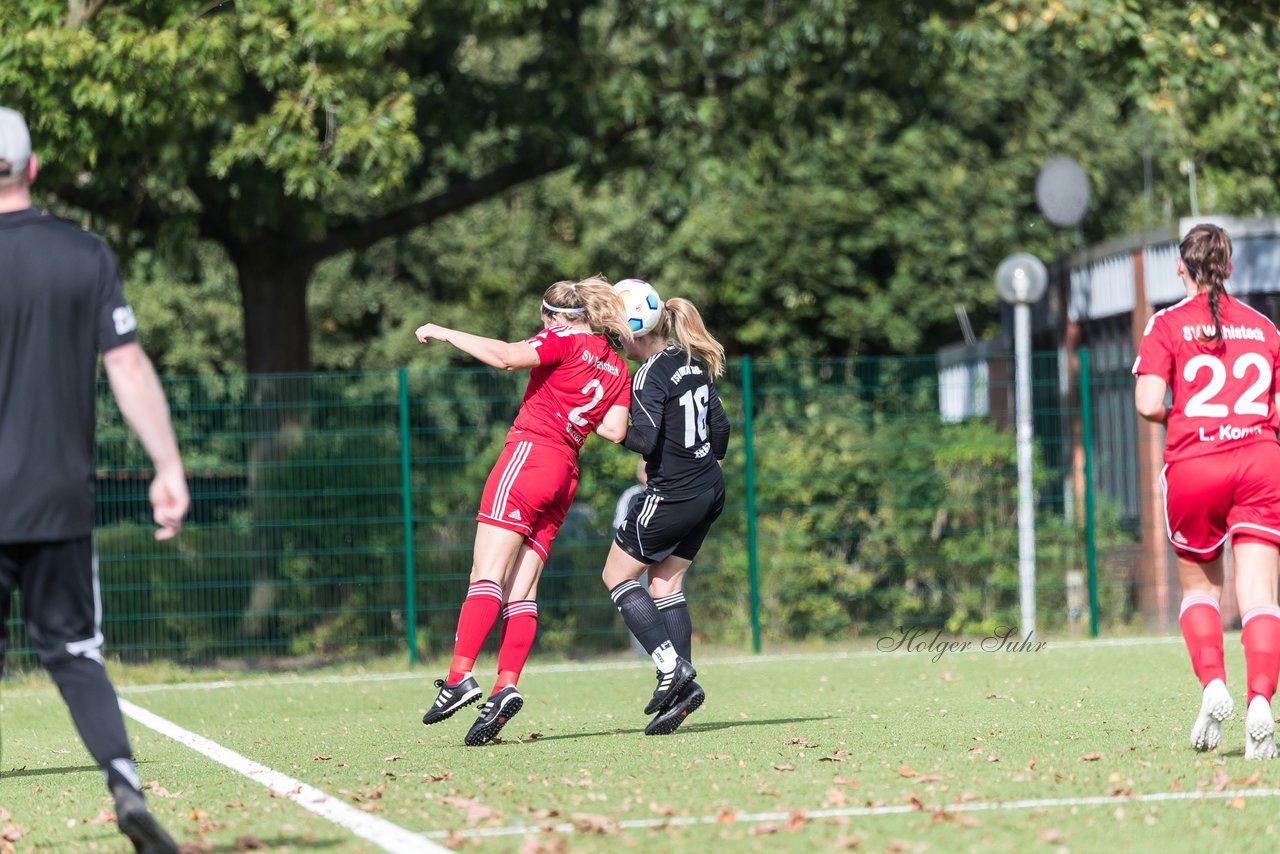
61, 603
658, 526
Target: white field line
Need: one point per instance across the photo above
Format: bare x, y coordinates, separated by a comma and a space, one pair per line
637, 664
855, 812
387, 836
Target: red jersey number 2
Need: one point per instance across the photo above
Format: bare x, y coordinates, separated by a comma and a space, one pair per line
595, 390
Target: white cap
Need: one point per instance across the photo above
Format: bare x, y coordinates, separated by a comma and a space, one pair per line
15, 143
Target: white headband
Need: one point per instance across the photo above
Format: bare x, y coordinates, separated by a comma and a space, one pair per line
556, 309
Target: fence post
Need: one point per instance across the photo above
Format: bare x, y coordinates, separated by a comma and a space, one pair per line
1090, 534
406, 506
749, 463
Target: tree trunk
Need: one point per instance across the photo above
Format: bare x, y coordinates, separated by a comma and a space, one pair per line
277, 355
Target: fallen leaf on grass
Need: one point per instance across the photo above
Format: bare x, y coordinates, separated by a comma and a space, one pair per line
1236, 803
837, 797
848, 843
476, 811
845, 781
296, 790
795, 741
905, 770
1092, 757
104, 816
787, 767
1220, 779
532, 845
250, 843
719, 756
11, 833
929, 778
796, 820
159, 791
1031, 763
438, 778
763, 829
726, 816
597, 824
916, 803
1251, 780
1121, 792
534, 736
321, 757
1051, 837
197, 815
391, 758
662, 809
999, 697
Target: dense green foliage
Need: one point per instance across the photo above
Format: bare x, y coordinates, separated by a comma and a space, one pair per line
826, 178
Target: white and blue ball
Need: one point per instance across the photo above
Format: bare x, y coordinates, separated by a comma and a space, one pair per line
641, 305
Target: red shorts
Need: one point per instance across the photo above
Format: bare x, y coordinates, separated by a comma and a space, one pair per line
529, 491
1232, 493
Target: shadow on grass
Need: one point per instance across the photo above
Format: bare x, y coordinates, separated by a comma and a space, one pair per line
703, 726
270, 844
40, 772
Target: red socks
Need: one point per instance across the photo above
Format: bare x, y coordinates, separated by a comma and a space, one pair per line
519, 627
1201, 624
475, 621
1260, 636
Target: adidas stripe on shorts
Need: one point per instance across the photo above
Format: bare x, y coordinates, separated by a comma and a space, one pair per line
529, 491
658, 526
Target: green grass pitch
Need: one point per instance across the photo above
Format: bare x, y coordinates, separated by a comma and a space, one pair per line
1078, 747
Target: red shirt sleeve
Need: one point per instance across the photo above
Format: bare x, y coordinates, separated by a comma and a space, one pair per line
1155, 353
552, 348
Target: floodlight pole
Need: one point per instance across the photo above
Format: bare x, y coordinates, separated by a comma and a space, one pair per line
1020, 281
1025, 437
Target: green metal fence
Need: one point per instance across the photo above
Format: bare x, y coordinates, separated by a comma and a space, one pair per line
333, 514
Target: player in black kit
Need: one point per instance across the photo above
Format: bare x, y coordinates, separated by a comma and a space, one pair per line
679, 425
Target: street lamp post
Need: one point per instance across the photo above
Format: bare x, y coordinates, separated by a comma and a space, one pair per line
1020, 280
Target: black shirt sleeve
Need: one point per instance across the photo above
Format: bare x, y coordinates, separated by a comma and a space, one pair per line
113, 318
648, 408
718, 422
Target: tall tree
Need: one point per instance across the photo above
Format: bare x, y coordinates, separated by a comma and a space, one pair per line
289, 131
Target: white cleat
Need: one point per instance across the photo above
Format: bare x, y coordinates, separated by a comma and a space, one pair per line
1259, 731
1215, 707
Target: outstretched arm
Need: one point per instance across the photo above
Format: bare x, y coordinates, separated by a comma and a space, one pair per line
137, 390
507, 356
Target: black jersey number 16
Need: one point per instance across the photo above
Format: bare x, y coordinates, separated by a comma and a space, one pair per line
694, 404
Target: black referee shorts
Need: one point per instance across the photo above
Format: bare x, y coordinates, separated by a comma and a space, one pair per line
659, 526
61, 603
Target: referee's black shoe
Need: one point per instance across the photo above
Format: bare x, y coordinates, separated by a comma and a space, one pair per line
688, 702
501, 707
669, 684
451, 698
136, 822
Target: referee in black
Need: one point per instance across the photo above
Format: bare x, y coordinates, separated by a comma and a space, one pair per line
60, 305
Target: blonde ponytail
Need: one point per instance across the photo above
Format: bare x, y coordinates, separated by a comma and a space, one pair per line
682, 322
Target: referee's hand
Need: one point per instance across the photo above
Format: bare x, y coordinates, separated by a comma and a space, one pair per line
169, 501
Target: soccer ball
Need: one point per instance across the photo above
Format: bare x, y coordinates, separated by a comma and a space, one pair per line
641, 304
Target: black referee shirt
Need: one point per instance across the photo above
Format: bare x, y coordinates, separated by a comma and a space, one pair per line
60, 305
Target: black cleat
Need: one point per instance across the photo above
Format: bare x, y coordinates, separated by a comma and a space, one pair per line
451, 698
136, 822
669, 685
494, 714
688, 702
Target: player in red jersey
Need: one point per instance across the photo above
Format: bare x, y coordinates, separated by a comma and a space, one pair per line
1221, 477
577, 385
